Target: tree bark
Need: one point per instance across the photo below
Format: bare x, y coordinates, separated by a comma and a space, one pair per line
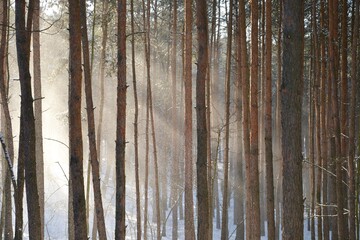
333, 72
317, 124
277, 139
19, 221
175, 160
311, 145
188, 140
268, 125
331, 164
38, 110
323, 122
252, 169
95, 166
291, 99
104, 28
344, 102
147, 145
120, 227
212, 100
23, 37
8, 229
344, 127
245, 104
224, 222
239, 177
136, 128
75, 134
146, 182
351, 163
202, 131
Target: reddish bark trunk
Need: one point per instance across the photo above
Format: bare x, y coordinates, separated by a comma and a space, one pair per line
291, 99
120, 227
202, 131
189, 202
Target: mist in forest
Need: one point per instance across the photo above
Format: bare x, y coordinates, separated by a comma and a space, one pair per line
55, 82
273, 100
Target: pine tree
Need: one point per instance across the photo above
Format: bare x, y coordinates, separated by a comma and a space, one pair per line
291, 99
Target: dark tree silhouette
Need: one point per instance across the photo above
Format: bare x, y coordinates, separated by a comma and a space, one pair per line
291, 99
202, 131
27, 125
75, 135
120, 228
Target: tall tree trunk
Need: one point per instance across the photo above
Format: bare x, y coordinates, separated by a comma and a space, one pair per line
6, 122
311, 145
92, 43
95, 167
23, 37
332, 164
351, 163
150, 116
216, 182
175, 159
291, 99
136, 128
87, 196
209, 159
245, 104
7, 205
19, 221
344, 102
239, 177
38, 110
156, 167
261, 116
318, 147
210, 101
323, 125
268, 126
104, 28
75, 135
277, 140
216, 122
317, 124
120, 227
146, 183
224, 223
333, 64
188, 140
252, 169
202, 131
147, 59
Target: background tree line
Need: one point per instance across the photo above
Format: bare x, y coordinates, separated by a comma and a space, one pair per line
185, 119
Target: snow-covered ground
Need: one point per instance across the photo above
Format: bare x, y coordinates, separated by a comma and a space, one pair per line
56, 215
